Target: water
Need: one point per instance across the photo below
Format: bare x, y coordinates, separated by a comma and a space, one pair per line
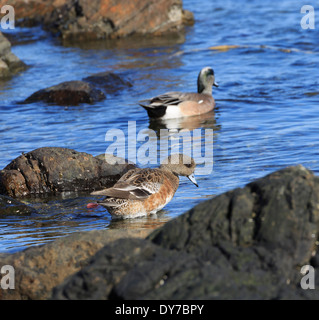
266, 116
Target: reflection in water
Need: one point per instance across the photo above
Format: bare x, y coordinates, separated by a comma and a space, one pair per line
132, 42
193, 136
206, 120
151, 222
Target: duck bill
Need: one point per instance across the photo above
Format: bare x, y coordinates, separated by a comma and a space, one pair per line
215, 84
192, 178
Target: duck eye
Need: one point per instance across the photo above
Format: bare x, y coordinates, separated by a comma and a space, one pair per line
188, 165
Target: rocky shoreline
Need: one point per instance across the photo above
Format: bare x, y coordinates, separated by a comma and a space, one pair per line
248, 243
83, 20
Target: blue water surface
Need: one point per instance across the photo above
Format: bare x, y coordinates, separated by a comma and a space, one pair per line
266, 116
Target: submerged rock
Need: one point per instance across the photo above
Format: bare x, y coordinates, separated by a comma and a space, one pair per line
52, 169
248, 243
68, 93
100, 19
107, 81
9, 63
91, 89
10, 206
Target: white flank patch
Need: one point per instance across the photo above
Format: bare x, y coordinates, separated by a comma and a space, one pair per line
172, 112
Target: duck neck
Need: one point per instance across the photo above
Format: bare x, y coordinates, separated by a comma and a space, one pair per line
208, 91
169, 171
204, 89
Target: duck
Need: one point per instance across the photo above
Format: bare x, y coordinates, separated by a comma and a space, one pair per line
145, 191
176, 104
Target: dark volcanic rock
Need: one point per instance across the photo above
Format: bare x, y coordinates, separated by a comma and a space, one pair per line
10, 206
107, 81
268, 211
102, 273
68, 93
248, 243
51, 169
39, 269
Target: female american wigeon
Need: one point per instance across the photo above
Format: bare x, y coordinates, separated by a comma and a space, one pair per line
141, 192
179, 104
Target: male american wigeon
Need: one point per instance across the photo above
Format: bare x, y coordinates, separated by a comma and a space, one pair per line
179, 104
141, 192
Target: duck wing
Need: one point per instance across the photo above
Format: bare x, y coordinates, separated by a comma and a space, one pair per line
137, 185
156, 107
168, 99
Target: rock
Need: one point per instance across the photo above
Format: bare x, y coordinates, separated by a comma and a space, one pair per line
248, 243
4, 70
68, 93
188, 18
110, 265
100, 19
39, 269
116, 161
30, 13
109, 82
52, 169
91, 89
10, 206
9, 63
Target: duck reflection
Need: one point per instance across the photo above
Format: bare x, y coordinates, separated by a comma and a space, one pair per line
150, 222
206, 120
